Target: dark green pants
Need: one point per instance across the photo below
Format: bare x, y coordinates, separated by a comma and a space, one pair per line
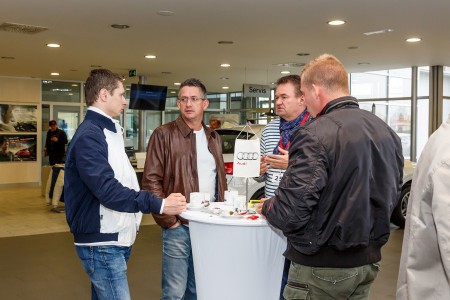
330, 283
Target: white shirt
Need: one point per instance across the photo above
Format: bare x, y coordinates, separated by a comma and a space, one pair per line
206, 165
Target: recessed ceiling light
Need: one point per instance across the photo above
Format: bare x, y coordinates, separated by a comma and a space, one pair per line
285, 72
303, 54
166, 73
173, 92
74, 84
378, 31
225, 87
352, 47
165, 13
120, 26
54, 74
224, 78
225, 65
225, 42
150, 56
336, 22
53, 45
414, 40
177, 83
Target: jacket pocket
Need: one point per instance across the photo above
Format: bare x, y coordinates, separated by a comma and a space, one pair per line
296, 291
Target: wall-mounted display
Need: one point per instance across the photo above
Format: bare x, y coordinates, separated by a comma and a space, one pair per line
17, 147
18, 118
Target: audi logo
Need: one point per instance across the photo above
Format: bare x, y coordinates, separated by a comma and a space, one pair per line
247, 155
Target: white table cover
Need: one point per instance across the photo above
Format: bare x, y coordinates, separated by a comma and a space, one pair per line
235, 258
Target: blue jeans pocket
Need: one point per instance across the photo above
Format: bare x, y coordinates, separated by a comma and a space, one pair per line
296, 291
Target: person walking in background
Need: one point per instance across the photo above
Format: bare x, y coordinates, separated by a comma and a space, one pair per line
215, 124
183, 156
55, 144
275, 139
424, 263
336, 197
102, 199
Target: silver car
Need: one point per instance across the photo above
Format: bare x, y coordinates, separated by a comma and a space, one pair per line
255, 190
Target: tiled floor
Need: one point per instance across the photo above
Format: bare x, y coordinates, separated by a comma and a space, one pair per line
23, 212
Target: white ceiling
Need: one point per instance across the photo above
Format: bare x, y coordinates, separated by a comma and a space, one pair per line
265, 33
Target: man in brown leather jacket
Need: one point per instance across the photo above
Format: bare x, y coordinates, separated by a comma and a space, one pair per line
183, 156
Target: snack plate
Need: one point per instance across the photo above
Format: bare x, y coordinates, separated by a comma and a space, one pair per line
226, 214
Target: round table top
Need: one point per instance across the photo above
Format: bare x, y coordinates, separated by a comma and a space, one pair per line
222, 217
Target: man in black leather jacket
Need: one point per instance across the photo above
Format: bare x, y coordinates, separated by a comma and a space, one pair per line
336, 198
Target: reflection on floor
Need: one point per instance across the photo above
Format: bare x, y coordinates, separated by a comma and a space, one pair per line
39, 260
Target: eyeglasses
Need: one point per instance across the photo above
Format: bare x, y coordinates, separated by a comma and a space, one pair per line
193, 99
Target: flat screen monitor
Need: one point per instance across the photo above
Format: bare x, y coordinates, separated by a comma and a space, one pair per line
148, 97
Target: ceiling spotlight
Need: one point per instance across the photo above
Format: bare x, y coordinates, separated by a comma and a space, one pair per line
120, 26
150, 56
177, 83
336, 22
54, 74
53, 45
165, 13
225, 65
285, 72
225, 87
224, 78
414, 40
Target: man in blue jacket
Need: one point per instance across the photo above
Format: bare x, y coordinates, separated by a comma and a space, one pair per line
336, 197
103, 202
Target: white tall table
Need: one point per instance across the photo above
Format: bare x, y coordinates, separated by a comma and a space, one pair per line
235, 258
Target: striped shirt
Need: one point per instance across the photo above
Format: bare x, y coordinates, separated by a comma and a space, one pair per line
269, 140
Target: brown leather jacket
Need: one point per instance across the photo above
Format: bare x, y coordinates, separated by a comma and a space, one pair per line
171, 165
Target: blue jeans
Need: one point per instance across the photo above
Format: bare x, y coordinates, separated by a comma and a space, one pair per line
178, 280
106, 267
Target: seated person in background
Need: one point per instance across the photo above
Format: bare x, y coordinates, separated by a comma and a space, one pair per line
215, 124
5, 155
5, 118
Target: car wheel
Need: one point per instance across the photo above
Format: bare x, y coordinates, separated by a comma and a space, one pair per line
399, 213
258, 194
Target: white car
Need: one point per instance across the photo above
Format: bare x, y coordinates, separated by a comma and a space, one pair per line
255, 190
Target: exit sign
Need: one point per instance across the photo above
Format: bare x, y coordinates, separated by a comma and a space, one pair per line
132, 73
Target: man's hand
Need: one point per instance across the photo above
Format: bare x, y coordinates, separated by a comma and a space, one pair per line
263, 166
278, 161
175, 204
54, 138
260, 206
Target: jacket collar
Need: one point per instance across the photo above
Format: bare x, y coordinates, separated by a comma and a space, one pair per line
186, 130
100, 119
347, 101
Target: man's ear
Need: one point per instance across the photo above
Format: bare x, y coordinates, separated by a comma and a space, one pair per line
103, 94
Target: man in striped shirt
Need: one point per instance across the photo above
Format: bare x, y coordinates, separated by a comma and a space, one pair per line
275, 139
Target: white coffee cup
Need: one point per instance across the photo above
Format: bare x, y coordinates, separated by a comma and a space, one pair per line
196, 199
239, 202
229, 197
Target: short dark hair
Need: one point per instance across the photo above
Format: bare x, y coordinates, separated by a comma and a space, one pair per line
294, 80
52, 122
100, 79
196, 83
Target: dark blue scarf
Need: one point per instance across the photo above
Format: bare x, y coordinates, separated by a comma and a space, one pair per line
288, 127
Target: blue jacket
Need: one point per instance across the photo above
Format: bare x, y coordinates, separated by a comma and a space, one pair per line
102, 197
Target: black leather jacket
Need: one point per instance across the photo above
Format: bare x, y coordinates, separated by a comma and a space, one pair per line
344, 178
